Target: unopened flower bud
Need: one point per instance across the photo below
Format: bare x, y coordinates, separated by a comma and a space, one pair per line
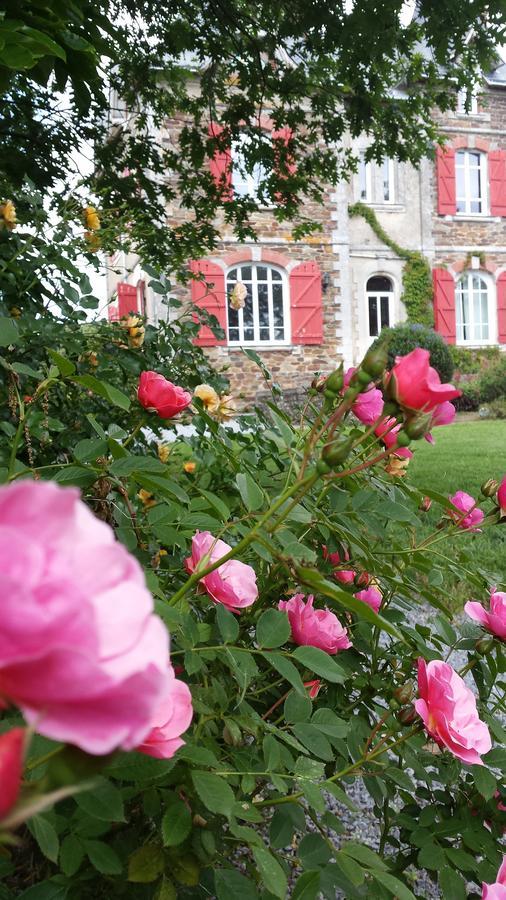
393, 703
335, 381
404, 692
403, 439
484, 645
337, 451
375, 362
322, 468
425, 505
489, 488
391, 408
318, 383
417, 427
407, 715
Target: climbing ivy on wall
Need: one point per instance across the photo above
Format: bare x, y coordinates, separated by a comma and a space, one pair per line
416, 276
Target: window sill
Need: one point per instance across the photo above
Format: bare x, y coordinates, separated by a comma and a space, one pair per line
469, 217
236, 348
385, 207
476, 345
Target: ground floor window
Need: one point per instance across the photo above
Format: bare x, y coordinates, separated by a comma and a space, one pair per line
379, 293
262, 315
472, 313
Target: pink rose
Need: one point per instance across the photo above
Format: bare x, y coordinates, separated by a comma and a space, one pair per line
416, 385
156, 394
448, 710
493, 620
234, 583
464, 503
345, 576
369, 404
387, 432
81, 652
501, 495
372, 596
314, 627
172, 717
11, 768
497, 890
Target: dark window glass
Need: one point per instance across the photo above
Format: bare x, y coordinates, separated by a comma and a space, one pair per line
232, 275
385, 317
379, 283
373, 316
276, 276
233, 318
261, 273
277, 304
245, 273
263, 306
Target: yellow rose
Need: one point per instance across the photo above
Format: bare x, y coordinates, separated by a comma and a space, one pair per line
396, 467
91, 218
8, 215
190, 467
136, 330
208, 396
226, 408
238, 295
163, 452
147, 499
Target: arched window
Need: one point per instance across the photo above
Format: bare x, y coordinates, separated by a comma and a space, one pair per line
471, 181
265, 317
379, 294
472, 309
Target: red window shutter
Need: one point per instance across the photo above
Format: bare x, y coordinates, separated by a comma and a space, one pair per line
445, 169
285, 135
444, 305
127, 299
497, 180
501, 307
220, 164
306, 304
209, 295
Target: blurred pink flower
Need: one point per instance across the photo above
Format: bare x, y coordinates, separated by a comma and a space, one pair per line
444, 414
387, 432
369, 404
501, 495
372, 596
497, 890
448, 710
172, 718
234, 583
416, 385
81, 652
156, 394
465, 503
493, 620
314, 627
11, 768
345, 576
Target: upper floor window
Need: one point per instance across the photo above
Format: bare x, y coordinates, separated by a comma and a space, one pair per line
245, 183
472, 310
467, 103
376, 181
264, 317
470, 173
380, 293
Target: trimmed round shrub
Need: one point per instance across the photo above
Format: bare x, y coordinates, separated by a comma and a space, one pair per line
493, 382
408, 336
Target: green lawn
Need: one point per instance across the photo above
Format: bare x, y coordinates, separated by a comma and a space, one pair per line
464, 456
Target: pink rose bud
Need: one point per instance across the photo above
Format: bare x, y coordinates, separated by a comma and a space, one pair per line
372, 596
234, 583
448, 710
415, 385
314, 627
425, 505
388, 432
81, 652
345, 576
156, 394
501, 495
464, 503
11, 768
497, 890
493, 619
369, 405
313, 687
171, 719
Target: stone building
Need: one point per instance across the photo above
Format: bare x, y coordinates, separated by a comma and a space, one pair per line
313, 302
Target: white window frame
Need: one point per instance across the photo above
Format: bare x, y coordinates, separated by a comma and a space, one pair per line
462, 99
245, 184
376, 295
491, 310
364, 178
118, 110
257, 342
388, 164
467, 199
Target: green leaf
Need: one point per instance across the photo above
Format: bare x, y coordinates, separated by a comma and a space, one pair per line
65, 366
103, 857
271, 872
46, 837
103, 802
77, 475
485, 782
71, 855
89, 449
45, 890
313, 851
318, 583
320, 663
396, 887
296, 708
146, 864
252, 496
9, 333
313, 740
186, 869
228, 624
230, 884
273, 628
453, 886
215, 793
107, 391
176, 824
166, 890
307, 886
287, 670
363, 855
